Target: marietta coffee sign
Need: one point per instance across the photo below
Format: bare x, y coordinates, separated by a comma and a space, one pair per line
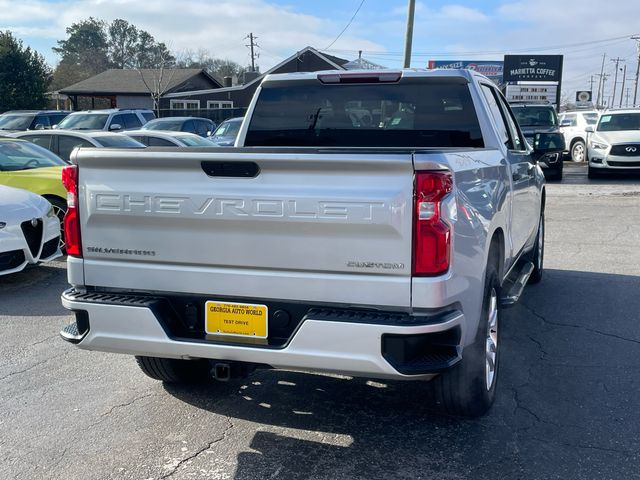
542, 68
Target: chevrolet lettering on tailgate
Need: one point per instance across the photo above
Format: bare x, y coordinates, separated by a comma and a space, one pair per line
238, 207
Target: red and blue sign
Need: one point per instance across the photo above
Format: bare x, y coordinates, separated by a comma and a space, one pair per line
493, 69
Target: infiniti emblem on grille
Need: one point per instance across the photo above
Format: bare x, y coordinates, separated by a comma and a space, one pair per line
631, 149
34, 222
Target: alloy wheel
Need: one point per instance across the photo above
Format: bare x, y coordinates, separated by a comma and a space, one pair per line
491, 343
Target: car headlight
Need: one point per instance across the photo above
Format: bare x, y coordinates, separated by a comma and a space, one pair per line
599, 145
51, 213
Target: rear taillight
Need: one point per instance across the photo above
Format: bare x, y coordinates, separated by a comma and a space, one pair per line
71, 219
432, 236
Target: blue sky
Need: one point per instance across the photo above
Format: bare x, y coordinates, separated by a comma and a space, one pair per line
460, 29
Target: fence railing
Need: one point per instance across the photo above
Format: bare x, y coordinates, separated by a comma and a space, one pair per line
215, 114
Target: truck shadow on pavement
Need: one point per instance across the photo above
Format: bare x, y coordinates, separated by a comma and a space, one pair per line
567, 403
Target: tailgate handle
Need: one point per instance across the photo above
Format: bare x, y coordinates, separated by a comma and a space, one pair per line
231, 169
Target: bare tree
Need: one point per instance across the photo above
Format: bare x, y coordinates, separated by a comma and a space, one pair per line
202, 58
160, 80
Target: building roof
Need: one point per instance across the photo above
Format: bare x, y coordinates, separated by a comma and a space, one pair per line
134, 81
334, 62
362, 64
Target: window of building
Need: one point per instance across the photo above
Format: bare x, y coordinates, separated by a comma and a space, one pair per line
184, 104
217, 104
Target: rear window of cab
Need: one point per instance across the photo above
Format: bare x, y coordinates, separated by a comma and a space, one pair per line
365, 115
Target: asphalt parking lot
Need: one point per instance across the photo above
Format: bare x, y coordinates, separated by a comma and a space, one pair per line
568, 404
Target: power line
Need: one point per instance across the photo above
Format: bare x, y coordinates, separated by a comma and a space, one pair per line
494, 52
345, 28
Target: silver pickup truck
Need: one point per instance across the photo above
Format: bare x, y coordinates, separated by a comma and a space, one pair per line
371, 224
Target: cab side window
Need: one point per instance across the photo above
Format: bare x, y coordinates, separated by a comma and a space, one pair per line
516, 135
496, 113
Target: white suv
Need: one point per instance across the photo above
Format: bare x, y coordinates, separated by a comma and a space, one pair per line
573, 126
114, 120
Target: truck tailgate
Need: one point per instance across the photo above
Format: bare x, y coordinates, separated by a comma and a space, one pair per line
320, 226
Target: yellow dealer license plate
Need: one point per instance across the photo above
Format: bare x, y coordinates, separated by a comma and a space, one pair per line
237, 319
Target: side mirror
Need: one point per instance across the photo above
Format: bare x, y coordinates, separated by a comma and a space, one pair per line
39, 126
546, 143
115, 127
589, 129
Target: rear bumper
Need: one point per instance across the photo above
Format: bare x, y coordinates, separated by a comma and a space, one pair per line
417, 349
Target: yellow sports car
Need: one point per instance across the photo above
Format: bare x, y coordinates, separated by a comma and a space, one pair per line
30, 167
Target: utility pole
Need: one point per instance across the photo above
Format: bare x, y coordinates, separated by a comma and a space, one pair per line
591, 85
409, 34
604, 56
626, 103
615, 80
635, 88
624, 78
603, 78
252, 44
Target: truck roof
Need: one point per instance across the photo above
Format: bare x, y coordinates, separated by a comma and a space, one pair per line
403, 73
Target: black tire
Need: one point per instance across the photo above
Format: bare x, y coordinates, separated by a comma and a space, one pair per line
60, 207
537, 254
592, 173
463, 390
557, 173
171, 370
577, 147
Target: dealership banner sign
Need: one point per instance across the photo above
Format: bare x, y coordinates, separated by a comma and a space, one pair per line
489, 68
527, 68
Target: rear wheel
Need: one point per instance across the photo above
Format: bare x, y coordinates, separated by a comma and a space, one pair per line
469, 388
170, 370
578, 151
